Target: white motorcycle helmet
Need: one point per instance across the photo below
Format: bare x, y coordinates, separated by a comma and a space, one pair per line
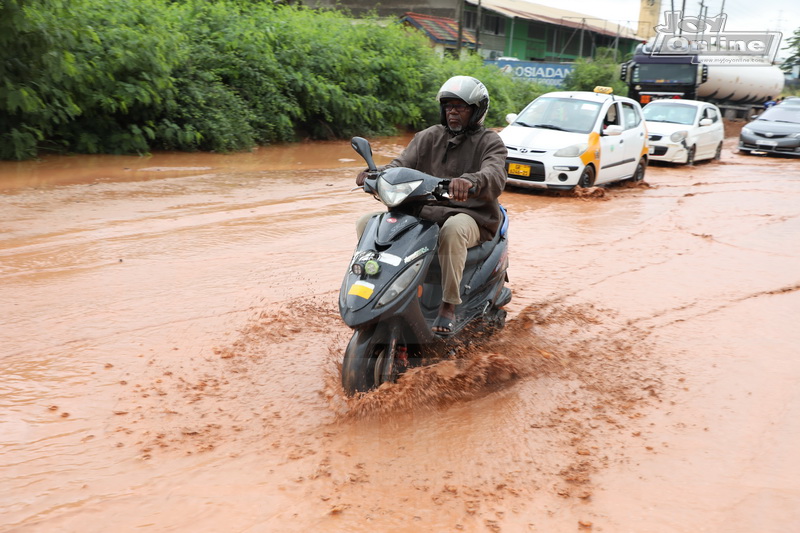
472, 91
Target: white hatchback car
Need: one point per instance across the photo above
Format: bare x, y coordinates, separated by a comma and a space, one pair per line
684, 131
576, 138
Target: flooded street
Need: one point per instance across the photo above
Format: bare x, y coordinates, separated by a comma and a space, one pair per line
170, 347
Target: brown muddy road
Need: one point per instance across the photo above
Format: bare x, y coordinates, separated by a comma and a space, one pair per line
170, 342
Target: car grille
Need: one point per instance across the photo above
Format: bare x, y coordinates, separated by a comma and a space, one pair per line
524, 150
772, 136
659, 150
537, 169
776, 149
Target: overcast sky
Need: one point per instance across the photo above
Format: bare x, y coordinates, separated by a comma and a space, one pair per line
743, 15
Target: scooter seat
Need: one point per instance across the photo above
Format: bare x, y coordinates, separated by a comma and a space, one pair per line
478, 254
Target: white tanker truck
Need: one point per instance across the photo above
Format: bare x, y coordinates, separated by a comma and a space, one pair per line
738, 90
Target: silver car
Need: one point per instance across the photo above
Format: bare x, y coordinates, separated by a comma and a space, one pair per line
775, 131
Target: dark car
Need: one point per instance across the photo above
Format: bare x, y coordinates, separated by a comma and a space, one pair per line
775, 131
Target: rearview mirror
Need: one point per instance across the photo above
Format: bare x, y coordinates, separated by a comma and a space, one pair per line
511, 117
363, 148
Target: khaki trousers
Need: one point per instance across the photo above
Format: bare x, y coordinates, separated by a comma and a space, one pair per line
458, 233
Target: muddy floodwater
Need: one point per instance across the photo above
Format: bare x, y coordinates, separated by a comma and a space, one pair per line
170, 348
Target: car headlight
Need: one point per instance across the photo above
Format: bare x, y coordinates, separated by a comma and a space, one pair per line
678, 136
795, 135
393, 195
401, 283
748, 131
572, 151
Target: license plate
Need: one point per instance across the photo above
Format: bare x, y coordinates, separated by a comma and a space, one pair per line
519, 170
770, 144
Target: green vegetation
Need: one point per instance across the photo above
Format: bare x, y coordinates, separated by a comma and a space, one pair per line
603, 70
793, 46
112, 76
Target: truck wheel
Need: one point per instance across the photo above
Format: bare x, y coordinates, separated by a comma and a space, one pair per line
587, 177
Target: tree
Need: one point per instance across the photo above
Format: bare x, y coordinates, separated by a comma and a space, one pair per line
792, 44
601, 70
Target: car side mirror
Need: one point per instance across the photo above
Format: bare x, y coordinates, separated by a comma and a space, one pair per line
613, 130
511, 117
706, 122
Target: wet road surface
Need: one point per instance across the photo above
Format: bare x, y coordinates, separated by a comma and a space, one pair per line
170, 349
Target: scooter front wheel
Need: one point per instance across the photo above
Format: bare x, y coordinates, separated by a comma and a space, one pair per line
360, 357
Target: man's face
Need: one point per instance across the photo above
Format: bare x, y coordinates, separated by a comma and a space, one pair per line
457, 113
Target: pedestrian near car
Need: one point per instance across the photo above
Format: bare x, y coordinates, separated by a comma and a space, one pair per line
462, 150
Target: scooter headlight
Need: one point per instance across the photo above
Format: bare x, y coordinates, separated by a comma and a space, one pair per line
393, 195
401, 283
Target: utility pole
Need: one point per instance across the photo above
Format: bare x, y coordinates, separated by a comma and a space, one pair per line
478, 28
460, 18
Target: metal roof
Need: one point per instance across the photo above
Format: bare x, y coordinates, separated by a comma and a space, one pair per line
439, 29
561, 17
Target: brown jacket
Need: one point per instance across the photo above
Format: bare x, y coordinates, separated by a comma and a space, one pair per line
479, 157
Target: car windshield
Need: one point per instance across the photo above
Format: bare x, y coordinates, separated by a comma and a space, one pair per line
781, 114
669, 112
563, 114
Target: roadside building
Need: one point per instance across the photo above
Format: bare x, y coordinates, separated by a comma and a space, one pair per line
503, 28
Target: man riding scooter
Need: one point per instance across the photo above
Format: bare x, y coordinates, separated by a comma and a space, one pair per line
461, 149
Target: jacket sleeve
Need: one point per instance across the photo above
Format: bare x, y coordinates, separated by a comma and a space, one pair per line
490, 180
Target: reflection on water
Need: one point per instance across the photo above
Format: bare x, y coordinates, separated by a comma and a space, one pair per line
69, 170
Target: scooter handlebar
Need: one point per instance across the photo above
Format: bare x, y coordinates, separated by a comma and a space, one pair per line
446, 188
364, 149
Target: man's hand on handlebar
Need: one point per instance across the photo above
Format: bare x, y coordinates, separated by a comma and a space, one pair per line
363, 175
459, 189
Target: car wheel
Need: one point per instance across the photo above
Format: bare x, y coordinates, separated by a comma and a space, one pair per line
587, 177
718, 153
690, 156
638, 175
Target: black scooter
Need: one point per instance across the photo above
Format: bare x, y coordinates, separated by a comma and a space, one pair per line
392, 290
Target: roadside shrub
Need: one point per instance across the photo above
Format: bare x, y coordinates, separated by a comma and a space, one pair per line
111, 76
603, 70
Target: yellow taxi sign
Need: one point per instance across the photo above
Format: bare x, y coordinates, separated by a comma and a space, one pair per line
603, 90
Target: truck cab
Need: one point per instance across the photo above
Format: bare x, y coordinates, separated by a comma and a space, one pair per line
657, 77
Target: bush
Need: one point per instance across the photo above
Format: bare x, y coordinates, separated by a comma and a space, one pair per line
111, 76
603, 70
